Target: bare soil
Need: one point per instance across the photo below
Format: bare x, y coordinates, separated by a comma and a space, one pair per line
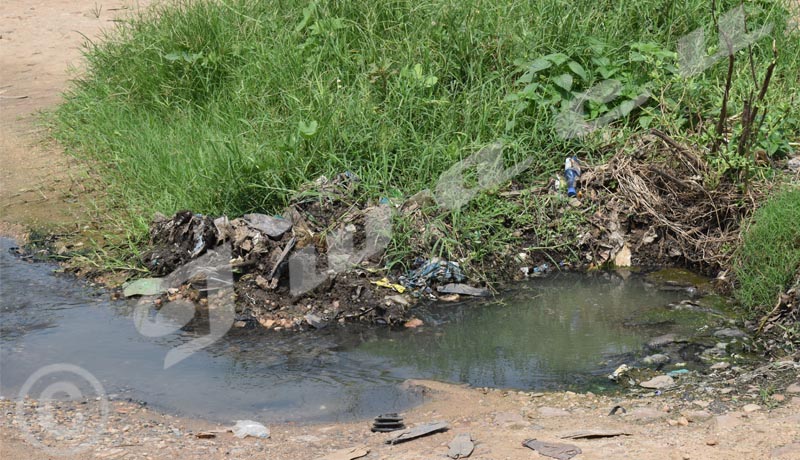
40, 44
657, 427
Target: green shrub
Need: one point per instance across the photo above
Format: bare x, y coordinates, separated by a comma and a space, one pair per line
769, 256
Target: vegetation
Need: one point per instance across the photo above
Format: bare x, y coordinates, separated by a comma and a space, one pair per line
227, 107
769, 257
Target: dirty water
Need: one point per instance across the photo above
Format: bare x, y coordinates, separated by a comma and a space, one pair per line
557, 332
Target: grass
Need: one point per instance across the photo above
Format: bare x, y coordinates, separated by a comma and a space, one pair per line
769, 257
227, 107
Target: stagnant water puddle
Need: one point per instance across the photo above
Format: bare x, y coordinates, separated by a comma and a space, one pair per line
557, 332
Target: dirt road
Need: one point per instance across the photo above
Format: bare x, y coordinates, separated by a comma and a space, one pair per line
40, 42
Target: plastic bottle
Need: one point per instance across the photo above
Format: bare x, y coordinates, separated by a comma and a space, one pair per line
572, 171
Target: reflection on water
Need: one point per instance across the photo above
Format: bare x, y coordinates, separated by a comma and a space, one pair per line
546, 333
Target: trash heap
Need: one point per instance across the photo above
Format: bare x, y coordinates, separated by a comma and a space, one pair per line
262, 250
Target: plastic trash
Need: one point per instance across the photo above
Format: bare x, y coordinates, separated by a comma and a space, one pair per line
572, 171
245, 428
433, 270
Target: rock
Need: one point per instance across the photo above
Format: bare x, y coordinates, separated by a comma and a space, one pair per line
552, 412
552, 449
413, 323
795, 401
778, 397
786, 452
512, 420
697, 415
749, 408
727, 421
793, 388
656, 359
461, 446
662, 340
239, 324
398, 299
729, 332
658, 383
720, 366
683, 421
712, 442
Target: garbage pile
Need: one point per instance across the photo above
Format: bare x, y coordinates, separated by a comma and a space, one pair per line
327, 239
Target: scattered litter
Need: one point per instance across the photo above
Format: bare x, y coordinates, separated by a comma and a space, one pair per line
552, 449
315, 321
593, 434
245, 428
463, 289
210, 434
461, 446
387, 422
615, 409
384, 282
144, 286
347, 454
434, 270
619, 372
418, 432
274, 227
678, 372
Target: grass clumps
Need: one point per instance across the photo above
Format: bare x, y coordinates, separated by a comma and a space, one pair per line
228, 107
769, 256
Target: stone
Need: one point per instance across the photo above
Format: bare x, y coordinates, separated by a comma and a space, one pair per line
552, 412
795, 401
793, 388
778, 397
720, 366
727, 421
623, 257
729, 332
658, 383
712, 442
749, 408
662, 340
656, 359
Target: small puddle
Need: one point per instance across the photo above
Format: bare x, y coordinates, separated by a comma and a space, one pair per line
560, 332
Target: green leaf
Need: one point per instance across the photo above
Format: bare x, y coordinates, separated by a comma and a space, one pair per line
557, 58
577, 69
173, 56
606, 72
539, 64
430, 80
645, 121
564, 81
309, 129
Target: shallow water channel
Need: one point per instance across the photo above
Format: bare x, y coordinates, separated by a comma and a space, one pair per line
565, 331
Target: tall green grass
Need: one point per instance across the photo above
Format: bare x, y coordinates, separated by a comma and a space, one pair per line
769, 257
227, 106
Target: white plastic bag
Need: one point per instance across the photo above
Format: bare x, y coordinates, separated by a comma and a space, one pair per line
245, 428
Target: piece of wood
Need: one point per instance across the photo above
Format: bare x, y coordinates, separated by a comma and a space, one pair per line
417, 432
593, 434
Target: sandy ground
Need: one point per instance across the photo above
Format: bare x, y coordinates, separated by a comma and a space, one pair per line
39, 185
40, 49
657, 427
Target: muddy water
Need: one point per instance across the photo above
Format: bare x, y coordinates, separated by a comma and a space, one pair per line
549, 333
